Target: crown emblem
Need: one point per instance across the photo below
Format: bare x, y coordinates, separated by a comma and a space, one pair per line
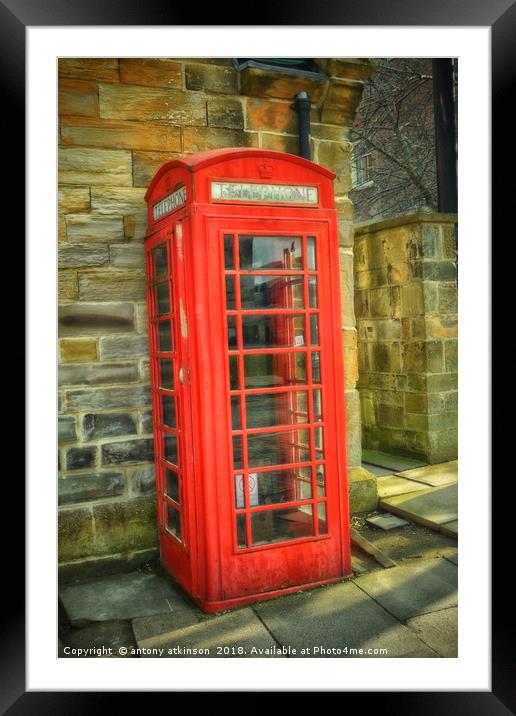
265, 169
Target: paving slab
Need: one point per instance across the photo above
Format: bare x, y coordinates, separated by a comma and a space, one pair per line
454, 558
431, 507
451, 529
219, 636
121, 596
434, 475
386, 522
376, 469
413, 588
395, 462
325, 621
93, 640
390, 486
438, 630
411, 542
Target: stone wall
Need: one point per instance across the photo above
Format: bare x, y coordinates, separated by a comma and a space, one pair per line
406, 308
119, 121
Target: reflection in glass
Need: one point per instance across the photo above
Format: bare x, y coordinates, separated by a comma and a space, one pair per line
267, 370
162, 299
275, 331
317, 406
321, 518
279, 486
229, 263
237, 452
310, 247
232, 337
235, 412
233, 372
270, 409
166, 374
241, 534
164, 337
321, 484
316, 372
270, 252
172, 485
312, 291
314, 329
277, 448
259, 292
159, 255
173, 524
171, 449
281, 525
168, 411
230, 293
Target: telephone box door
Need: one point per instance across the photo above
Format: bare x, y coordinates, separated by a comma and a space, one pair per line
171, 398
284, 503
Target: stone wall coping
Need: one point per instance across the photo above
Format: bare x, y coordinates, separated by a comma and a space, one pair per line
421, 217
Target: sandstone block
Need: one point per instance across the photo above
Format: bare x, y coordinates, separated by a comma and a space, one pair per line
112, 287
78, 350
91, 319
151, 72
78, 165
78, 97
88, 228
88, 132
155, 104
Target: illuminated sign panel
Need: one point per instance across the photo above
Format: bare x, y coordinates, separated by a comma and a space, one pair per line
169, 203
273, 193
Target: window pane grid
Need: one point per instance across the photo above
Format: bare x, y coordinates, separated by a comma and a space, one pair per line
262, 293
163, 355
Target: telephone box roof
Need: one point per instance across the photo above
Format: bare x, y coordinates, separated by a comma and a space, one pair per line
200, 160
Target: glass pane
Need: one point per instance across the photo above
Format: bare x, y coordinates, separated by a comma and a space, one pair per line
314, 329
173, 524
164, 337
321, 483
239, 490
171, 449
230, 293
310, 245
317, 406
268, 488
316, 372
172, 485
159, 256
267, 370
282, 525
241, 534
235, 412
321, 518
270, 252
232, 337
166, 374
312, 291
273, 331
271, 292
237, 452
233, 372
229, 263
278, 448
270, 409
319, 447
162, 299
168, 411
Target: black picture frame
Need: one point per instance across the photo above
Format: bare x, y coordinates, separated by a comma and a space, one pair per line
15, 16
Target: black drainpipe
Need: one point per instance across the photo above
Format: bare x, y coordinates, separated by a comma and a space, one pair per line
302, 106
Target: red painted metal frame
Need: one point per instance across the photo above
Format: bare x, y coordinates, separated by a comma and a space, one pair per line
207, 560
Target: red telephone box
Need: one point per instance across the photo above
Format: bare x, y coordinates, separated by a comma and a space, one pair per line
247, 375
